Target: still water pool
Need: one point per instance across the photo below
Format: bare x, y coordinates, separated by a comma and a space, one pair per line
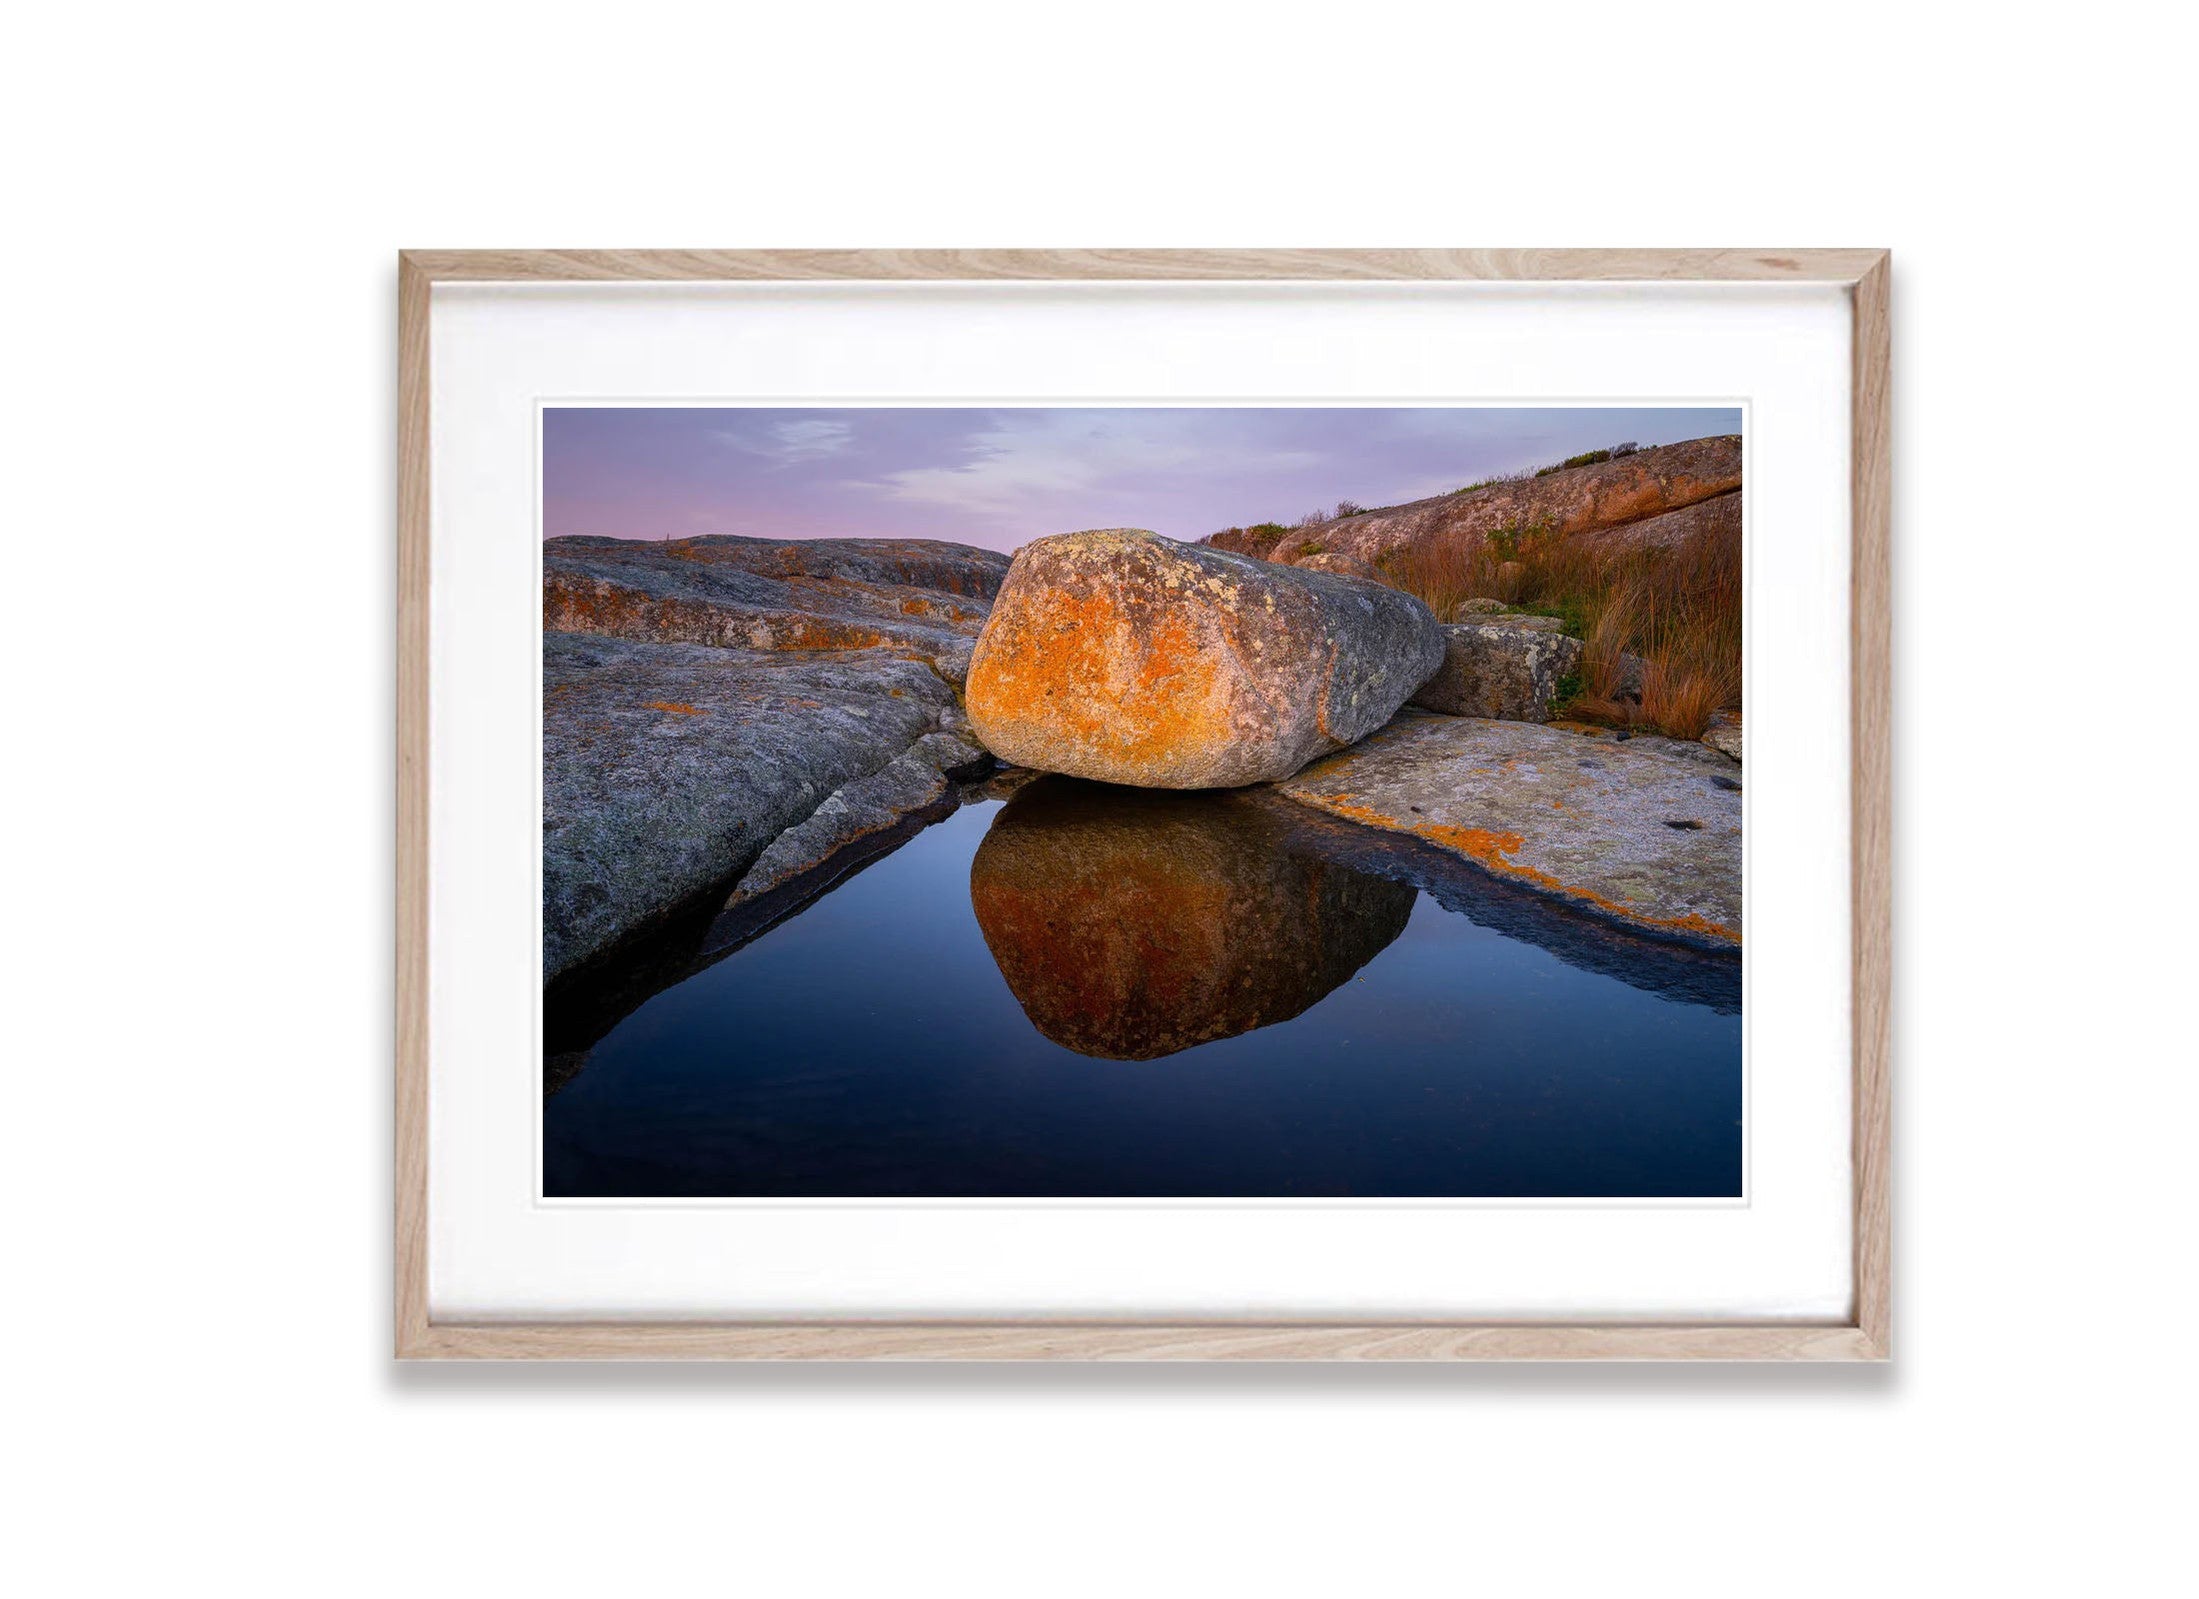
1097, 992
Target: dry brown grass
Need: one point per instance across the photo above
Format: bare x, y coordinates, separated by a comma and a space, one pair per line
1678, 609
1604, 642
1596, 708
1441, 573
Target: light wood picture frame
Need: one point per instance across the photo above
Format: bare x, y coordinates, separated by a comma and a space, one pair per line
1863, 1336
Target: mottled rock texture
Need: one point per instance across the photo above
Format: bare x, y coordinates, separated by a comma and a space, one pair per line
918, 596
1507, 667
1644, 830
668, 768
1131, 925
1580, 499
1130, 658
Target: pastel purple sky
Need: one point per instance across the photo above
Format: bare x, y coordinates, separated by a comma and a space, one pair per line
999, 477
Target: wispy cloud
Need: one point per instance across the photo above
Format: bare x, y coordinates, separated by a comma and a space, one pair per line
792, 443
1026, 463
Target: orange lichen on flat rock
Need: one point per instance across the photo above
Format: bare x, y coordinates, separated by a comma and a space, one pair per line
1492, 849
676, 707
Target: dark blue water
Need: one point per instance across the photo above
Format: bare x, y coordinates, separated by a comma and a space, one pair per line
918, 1032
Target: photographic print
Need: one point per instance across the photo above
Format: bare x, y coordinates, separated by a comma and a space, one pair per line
1115, 802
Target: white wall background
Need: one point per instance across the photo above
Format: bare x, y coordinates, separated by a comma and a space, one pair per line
206, 202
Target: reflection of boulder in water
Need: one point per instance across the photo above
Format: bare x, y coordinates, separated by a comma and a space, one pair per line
1134, 923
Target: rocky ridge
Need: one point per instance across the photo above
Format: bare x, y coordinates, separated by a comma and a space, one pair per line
1630, 496
923, 598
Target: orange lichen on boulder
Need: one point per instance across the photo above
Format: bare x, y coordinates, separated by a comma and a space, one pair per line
676, 707
1129, 658
1109, 674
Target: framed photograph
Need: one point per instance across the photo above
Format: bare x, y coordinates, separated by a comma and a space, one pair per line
1129, 804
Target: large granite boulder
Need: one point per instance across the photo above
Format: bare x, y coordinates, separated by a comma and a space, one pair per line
669, 768
1644, 830
1130, 658
1130, 925
921, 597
1505, 667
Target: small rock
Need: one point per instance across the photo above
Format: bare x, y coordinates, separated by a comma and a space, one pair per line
1724, 733
1506, 667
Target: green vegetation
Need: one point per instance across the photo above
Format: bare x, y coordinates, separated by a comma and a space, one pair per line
1567, 691
1513, 539
1569, 609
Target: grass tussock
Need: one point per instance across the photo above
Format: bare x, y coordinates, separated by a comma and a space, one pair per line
1660, 628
